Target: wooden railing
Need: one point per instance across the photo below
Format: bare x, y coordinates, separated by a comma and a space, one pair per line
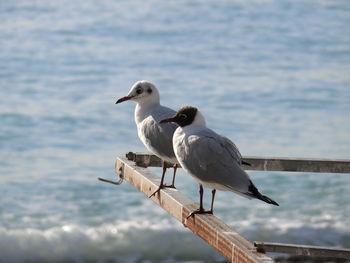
266, 163
211, 229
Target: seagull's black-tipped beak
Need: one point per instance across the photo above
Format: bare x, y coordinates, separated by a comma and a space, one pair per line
168, 120
123, 99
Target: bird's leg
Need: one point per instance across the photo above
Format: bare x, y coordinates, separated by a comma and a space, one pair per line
201, 193
201, 209
172, 185
161, 185
213, 192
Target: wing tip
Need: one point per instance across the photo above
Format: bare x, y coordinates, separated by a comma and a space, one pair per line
246, 163
255, 193
268, 200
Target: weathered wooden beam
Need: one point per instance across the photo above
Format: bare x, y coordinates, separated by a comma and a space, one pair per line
304, 250
266, 163
211, 229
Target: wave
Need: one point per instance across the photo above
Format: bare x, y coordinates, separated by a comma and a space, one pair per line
140, 242
126, 242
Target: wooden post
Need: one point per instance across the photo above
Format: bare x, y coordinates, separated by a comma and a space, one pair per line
211, 229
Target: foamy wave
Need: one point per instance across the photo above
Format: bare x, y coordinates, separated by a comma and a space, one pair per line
123, 242
141, 241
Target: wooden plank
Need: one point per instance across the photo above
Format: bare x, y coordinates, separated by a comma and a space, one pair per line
211, 229
297, 164
304, 250
266, 163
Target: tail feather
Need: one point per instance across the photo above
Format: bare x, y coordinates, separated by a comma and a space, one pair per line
253, 191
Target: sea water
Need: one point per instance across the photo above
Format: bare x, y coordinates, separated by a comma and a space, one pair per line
273, 76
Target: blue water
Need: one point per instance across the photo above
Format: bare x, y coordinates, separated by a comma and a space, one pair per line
274, 76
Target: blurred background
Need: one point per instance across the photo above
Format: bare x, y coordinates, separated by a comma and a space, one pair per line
273, 76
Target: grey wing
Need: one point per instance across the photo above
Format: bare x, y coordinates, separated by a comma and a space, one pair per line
216, 160
232, 149
221, 144
160, 113
158, 137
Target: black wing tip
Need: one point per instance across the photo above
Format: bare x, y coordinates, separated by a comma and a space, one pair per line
246, 163
268, 200
255, 193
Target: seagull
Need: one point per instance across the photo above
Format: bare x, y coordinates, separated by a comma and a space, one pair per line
212, 160
156, 137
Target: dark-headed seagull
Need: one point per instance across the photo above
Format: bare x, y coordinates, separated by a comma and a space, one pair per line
212, 160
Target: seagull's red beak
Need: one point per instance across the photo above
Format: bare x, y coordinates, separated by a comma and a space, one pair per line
123, 99
168, 120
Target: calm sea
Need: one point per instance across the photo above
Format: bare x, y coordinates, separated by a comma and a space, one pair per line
274, 76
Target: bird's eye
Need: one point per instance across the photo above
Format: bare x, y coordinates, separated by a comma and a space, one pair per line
139, 91
182, 116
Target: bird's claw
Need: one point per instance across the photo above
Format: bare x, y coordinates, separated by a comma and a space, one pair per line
169, 186
156, 191
162, 187
199, 211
